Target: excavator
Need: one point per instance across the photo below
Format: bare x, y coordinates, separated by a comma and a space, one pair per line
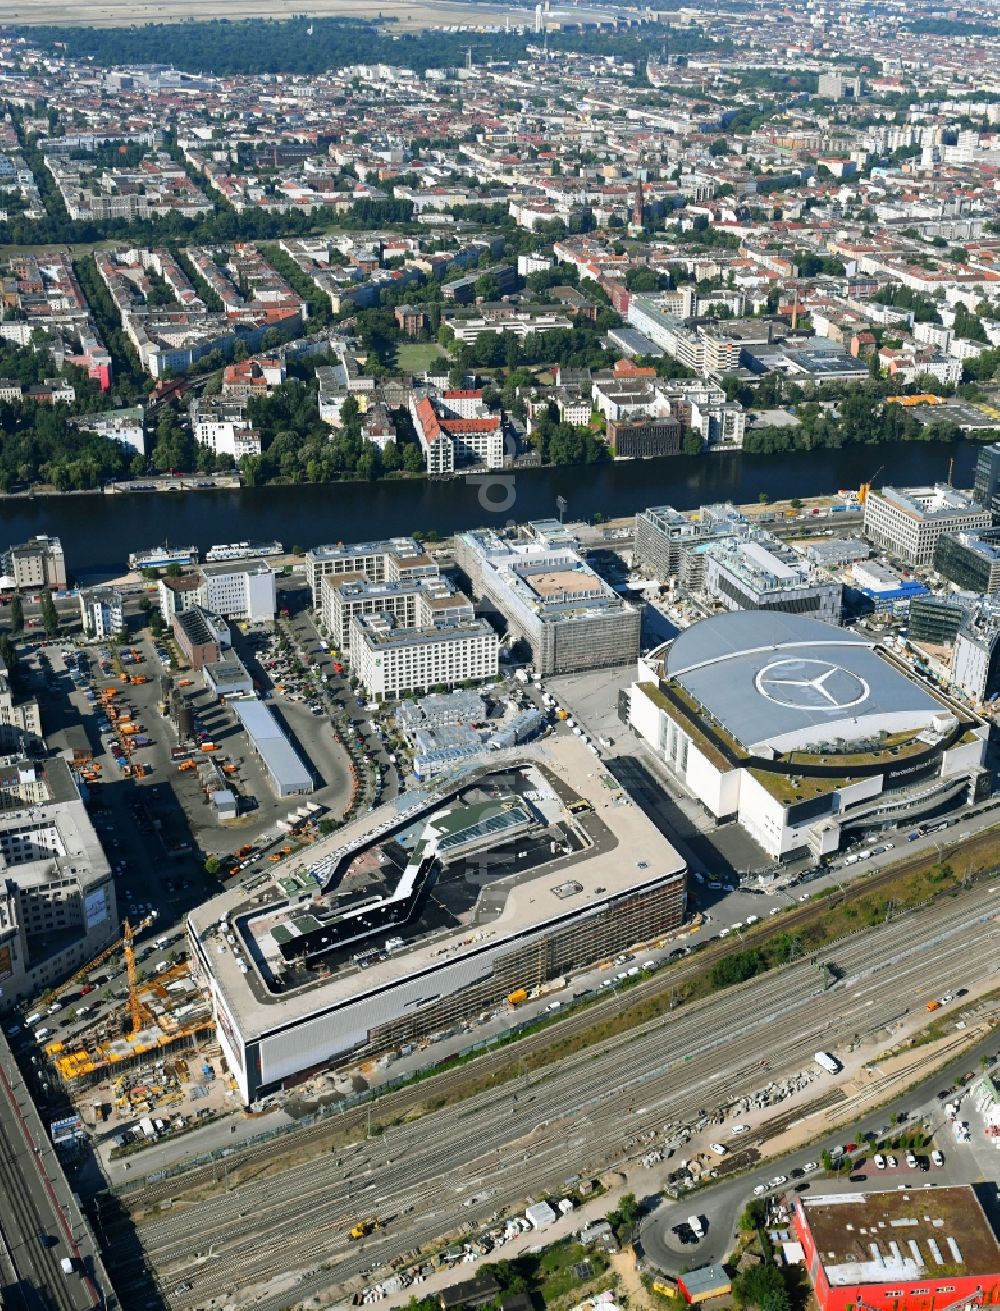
363, 1228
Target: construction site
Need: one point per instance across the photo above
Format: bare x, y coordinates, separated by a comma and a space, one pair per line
129, 1037
134, 1054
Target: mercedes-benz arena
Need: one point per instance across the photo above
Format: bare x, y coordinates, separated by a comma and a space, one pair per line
805, 733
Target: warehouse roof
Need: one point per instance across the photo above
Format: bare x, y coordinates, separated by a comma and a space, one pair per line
771, 678
275, 749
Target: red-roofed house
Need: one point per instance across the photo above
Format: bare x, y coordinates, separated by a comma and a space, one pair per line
448, 441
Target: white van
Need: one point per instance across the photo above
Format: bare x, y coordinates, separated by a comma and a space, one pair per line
33, 1018
695, 1225
41, 1034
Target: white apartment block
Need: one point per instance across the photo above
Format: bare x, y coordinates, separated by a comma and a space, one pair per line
385, 561
37, 563
20, 721
975, 661
411, 602
57, 898
246, 591
457, 432
907, 521
177, 595
389, 661
463, 404
706, 350
225, 429
102, 612
576, 410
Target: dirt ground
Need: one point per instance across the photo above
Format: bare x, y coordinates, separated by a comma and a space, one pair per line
409, 14
629, 1283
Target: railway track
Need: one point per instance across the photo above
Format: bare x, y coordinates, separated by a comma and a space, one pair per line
442, 1086
673, 1071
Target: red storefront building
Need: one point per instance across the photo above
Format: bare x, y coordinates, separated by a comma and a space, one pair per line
913, 1249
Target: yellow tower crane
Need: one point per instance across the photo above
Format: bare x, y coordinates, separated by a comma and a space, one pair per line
866, 487
99, 959
138, 1010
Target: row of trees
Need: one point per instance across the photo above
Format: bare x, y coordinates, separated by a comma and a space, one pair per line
861, 419
50, 622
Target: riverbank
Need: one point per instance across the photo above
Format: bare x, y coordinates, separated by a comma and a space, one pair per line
98, 532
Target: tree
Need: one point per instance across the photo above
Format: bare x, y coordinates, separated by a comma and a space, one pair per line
487, 287
212, 866
753, 1216
50, 616
737, 968
624, 1217
413, 460
17, 615
8, 655
641, 278
691, 445
761, 1286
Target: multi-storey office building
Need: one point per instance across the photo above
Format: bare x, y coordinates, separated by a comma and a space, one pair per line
907, 521
534, 576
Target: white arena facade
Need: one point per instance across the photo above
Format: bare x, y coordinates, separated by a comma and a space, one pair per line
808, 735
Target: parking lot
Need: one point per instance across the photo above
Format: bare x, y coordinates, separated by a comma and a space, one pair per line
144, 831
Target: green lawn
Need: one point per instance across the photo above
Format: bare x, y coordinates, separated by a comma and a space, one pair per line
416, 356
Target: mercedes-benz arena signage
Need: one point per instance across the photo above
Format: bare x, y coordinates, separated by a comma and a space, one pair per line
803, 684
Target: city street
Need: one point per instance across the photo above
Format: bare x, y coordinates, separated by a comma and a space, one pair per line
40, 1221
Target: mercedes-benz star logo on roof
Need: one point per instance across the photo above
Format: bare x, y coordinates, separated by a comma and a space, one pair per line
811, 685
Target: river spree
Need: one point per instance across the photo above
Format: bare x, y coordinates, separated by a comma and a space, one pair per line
98, 532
